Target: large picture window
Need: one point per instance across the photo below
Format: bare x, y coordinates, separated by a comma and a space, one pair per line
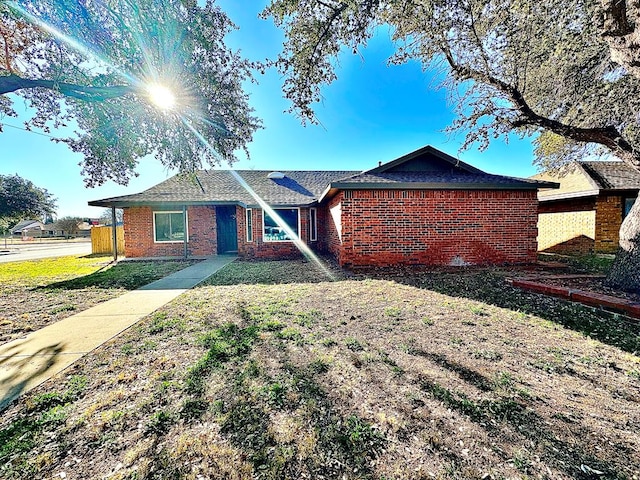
274, 232
168, 227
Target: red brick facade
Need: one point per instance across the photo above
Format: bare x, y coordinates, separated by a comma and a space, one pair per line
374, 228
259, 248
139, 235
435, 227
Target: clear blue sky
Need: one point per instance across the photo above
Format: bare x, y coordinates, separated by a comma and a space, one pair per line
372, 113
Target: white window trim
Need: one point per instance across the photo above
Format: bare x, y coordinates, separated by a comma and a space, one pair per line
186, 225
276, 210
313, 225
248, 228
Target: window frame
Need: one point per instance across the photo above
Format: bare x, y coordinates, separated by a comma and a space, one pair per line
265, 240
313, 224
186, 226
624, 205
248, 221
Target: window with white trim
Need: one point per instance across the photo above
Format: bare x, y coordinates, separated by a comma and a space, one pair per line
273, 232
168, 227
313, 224
249, 224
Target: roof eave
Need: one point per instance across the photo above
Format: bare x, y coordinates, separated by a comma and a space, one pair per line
442, 186
141, 203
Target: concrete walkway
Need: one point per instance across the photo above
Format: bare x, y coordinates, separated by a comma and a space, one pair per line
27, 362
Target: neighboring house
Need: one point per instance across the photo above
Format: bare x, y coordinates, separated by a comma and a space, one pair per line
25, 227
584, 215
62, 229
423, 208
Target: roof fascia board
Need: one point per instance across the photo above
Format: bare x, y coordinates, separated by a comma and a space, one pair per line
570, 195
129, 203
442, 186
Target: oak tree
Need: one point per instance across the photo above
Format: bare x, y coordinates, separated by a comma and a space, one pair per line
135, 77
567, 71
20, 198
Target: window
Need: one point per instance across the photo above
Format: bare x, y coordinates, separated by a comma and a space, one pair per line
249, 225
168, 227
274, 232
313, 225
628, 203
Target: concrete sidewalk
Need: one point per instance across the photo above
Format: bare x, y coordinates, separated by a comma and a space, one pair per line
27, 362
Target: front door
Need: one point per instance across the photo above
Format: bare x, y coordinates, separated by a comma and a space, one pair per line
227, 228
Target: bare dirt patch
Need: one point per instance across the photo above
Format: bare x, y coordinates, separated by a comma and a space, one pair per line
377, 377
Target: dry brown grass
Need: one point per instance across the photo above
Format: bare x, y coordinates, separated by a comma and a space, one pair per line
365, 377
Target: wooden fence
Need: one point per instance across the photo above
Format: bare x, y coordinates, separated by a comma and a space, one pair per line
102, 240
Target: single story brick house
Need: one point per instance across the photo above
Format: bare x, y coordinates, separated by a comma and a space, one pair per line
423, 208
584, 215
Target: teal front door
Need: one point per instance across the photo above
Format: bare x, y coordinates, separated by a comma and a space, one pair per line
227, 229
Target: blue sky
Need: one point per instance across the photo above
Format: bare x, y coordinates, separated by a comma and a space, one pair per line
372, 113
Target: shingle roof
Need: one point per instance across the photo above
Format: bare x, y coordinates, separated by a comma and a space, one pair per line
613, 175
220, 186
425, 168
449, 180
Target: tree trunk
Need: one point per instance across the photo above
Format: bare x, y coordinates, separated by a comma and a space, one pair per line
625, 272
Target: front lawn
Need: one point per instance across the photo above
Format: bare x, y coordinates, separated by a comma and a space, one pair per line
36, 293
412, 376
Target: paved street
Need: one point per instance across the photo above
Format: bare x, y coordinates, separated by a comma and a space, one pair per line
18, 251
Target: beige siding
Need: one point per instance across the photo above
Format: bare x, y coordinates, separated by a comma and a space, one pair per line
563, 229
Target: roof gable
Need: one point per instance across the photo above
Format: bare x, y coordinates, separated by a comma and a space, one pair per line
425, 159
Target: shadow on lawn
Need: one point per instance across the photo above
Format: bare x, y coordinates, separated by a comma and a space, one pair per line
516, 414
126, 275
13, 359
489, 286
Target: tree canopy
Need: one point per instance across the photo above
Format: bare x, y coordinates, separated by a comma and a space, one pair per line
20, 198
529, 66
98, 64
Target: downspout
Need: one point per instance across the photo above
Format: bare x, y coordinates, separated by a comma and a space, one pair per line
114, 234
186, 230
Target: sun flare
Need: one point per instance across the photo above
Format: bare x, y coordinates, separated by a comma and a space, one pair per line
161, 96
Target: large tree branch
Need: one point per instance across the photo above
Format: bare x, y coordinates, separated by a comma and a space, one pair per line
621, 29
608, 136
13, 83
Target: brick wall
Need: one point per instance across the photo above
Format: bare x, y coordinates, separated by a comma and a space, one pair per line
138, 233
567, 226
258, 248
436, 227
608, 221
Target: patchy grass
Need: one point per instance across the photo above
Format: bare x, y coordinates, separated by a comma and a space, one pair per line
356, 379
36, 293
271, 273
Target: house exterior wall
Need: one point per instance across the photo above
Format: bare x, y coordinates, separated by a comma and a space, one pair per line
261, 249
331, 227
580, 226
567, 226
437, 227
139, 235
573, 181
609, 210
